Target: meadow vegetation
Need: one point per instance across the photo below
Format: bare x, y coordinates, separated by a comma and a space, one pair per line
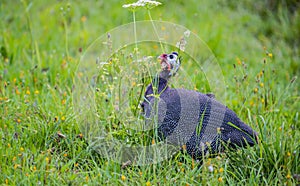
257, 47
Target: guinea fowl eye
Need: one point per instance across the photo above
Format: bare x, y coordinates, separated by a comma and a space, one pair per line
171, 56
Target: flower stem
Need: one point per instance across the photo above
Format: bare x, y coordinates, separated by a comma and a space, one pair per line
155, 30
134, 30
66, 38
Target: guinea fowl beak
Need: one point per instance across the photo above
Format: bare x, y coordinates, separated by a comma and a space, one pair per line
162, 57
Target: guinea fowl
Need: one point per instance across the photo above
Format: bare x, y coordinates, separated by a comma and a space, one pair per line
190, 119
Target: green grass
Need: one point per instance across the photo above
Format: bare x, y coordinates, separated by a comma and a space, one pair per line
41, 46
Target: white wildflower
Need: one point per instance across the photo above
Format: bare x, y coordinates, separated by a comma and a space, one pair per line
133, 5
142, 3
181, 44
153, 3
187, 33
144, 59
210, 168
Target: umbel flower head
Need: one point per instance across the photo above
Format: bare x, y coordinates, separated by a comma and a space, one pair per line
142, 3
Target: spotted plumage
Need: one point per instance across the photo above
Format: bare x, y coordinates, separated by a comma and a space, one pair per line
190, 118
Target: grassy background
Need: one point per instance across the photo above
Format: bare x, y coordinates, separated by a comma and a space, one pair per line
257, 46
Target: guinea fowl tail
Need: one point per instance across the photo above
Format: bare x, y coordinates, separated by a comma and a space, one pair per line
240, 134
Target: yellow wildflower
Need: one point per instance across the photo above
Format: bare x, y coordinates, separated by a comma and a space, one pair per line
17, 166
239, 62
153, 142
270, 55
255, 90
123, 178
220, 179
148, 183
17, 92
261, 84
221, 170
83, 19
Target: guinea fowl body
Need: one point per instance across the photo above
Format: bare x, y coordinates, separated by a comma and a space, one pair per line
194, 120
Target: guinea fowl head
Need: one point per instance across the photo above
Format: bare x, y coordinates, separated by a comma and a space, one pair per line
170, 64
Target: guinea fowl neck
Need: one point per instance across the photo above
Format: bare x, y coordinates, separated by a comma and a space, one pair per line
161, 82
164, 74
